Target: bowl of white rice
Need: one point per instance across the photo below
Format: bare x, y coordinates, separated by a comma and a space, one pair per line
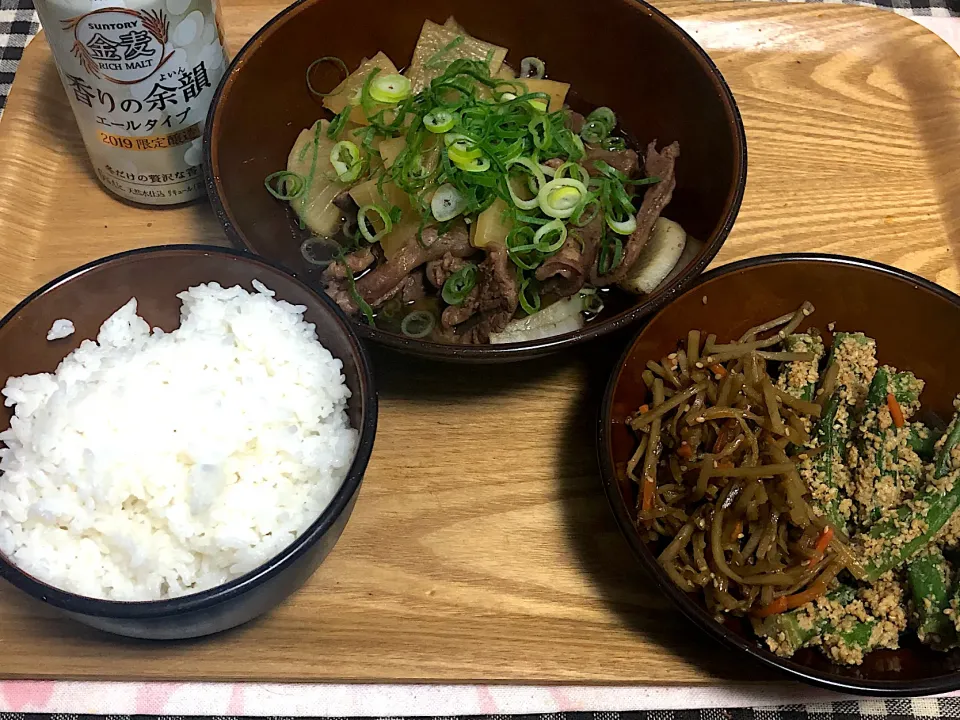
183, 435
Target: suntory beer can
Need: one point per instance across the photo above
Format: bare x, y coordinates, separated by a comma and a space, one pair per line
140, 76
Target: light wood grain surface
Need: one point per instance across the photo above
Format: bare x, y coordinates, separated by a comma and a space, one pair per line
481, 548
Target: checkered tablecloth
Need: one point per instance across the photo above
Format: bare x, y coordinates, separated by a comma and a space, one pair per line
18, 24
48, 700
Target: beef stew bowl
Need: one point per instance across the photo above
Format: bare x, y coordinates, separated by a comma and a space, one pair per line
798, 501
592, 163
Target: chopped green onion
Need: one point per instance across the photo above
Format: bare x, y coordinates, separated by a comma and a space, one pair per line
540, 130
390, 89
352, 286
578, 145
610, 257
605, 116
319, 61
529, 305
579, 218
477, 165
458, 286
506, 97
440, 121
461, 149
569, 168
532, 68
418, 324
614, 143
594, 132
447, 203
592, 302
320, 252
621, 227
289, 185
339, 122
365, 224
542, 241
345, 159
436, 60
521, 249
538, 105
366, 100
561, 196
547, 170
533, 170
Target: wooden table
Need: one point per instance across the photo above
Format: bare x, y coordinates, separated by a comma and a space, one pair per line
481, 548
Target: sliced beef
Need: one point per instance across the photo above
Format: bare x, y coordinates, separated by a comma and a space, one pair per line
626, 161
575, 122
409, 290
554, 163
497, 297
357, 261
454, 315
565, 273
656, 164
438, 271
380, 284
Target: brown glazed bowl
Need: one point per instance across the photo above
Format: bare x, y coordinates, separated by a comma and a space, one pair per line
88, 296
620, 53
917, 327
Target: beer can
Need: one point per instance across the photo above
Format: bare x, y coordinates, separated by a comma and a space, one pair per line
140, 76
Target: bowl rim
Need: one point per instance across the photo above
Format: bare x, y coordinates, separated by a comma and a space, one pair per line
530, 348
693, 612
154, 609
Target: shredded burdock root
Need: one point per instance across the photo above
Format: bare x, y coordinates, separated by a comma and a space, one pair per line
717, 477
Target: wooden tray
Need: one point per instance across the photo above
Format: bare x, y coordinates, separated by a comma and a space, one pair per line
481, 548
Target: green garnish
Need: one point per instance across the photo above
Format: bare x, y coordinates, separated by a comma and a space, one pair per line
285, 185
365, 225
352, 287
436, 60
341, 65
418, 324
458, 286
529, 297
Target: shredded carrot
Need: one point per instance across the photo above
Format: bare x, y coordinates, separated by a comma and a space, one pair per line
719, 369
895, 412
824, 540
685, 451
646, 502
737, 529
804, 596
776, 607
725, 435
642, 409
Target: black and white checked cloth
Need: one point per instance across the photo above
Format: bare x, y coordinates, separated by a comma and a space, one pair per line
18, 24
945, 708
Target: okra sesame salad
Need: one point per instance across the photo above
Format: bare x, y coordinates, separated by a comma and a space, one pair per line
462, 201
786, 478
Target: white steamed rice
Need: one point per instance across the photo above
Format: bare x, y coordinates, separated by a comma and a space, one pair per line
153, 464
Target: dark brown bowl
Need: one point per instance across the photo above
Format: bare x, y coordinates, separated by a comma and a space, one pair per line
917, 327
621, 53
88, 296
